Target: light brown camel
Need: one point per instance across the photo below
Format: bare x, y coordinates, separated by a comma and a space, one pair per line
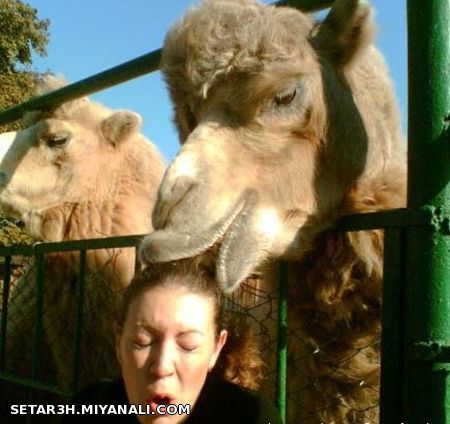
78, 171
287, 124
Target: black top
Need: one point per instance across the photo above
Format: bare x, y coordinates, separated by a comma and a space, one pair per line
220, 402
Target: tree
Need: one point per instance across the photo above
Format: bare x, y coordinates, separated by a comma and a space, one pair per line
15, 88
21, 33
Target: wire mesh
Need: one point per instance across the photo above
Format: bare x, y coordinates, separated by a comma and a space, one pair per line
310, 369
256, 300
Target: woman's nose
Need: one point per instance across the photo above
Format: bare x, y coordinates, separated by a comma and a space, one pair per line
162, 361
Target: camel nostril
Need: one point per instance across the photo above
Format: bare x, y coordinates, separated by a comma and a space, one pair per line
20, 224
169, 198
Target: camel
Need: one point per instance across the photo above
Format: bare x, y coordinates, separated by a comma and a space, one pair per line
78, 171
286, 124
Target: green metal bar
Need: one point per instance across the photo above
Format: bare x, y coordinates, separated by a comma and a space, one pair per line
306, 5
91, 244
106, 79
282, 340
392, 328
426, 396
71, 245
78, 319
16, 250
4, 319
40, 263
424, 216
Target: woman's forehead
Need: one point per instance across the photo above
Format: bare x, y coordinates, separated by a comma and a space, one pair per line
172, 307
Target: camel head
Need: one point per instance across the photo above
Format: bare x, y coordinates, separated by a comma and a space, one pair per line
275, 130
78, 155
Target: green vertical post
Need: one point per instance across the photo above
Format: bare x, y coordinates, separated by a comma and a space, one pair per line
4, 311
426, 392
40, 263
78, 320
392, 325
282, 340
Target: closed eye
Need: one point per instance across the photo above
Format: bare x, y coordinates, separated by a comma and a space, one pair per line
285, 97
190, 341
142, 345
142, 341
188, 347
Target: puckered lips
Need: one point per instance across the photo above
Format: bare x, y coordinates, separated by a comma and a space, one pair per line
159, 399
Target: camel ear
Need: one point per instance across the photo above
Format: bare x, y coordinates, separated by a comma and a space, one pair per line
345, 32
118, 126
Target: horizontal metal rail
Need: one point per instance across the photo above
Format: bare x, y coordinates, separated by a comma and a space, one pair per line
106, 79
71, 245
306, 5
427, 216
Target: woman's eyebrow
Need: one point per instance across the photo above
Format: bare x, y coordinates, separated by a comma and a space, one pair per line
145, 326
182, 333
151, 329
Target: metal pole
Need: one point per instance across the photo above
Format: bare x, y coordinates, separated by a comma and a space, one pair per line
4, 311
392, 334
426, 394
40, 264
106, 79
282, 341
79, 308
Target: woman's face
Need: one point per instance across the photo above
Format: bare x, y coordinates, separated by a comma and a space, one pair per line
166, 348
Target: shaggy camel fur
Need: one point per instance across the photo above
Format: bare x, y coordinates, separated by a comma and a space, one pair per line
79, 171
287, 124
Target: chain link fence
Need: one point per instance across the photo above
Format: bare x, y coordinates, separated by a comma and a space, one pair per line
33, 377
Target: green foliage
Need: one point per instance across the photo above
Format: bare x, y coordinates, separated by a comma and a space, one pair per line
11, 233
21, 33
16, 87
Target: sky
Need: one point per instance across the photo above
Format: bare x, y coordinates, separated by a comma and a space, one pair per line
90, 36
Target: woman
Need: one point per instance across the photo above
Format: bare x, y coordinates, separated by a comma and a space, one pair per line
170, 336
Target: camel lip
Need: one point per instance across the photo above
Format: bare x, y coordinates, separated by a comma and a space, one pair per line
162, 215
222, 230
9, 210
169, 244
246, 201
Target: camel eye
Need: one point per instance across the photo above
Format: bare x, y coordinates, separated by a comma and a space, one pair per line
57, 140
285, 97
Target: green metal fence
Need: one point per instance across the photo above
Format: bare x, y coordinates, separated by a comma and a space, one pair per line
39, 251
415, 386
